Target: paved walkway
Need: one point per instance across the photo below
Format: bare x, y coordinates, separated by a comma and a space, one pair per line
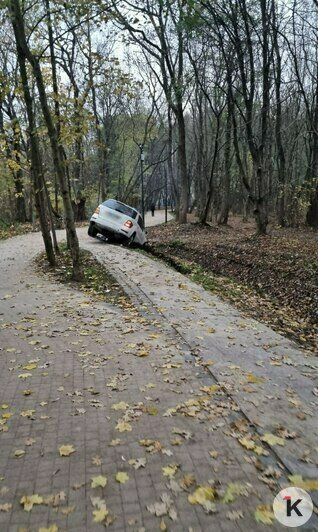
158, 218
158, 399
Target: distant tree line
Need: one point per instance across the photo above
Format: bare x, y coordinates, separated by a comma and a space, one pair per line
222, 97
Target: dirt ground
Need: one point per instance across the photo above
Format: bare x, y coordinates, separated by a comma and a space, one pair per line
273, 278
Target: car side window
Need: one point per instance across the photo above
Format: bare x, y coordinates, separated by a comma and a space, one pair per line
140, 222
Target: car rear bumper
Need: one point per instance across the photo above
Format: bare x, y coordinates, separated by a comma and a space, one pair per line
109, 232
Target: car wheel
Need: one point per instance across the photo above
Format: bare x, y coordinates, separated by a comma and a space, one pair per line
92, 231
131, 239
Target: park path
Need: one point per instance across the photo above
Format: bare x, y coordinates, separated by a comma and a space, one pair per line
175, 391
158, 218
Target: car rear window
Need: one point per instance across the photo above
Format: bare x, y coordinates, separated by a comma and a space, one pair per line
120, 207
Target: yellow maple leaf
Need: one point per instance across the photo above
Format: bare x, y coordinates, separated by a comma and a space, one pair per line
52, 528
24, 376
151, 410
99, 481
121, 477
263, 514
170, 470
258, 449
29, 367
248, 444
213, 454
203, 495
66, 450
210, 389
7, 415
27, 413
271, 439
250, 377
120, 406
28, 501
5, 507
143, 353
115, 442
308, 485
234, 490
123, 426
100, 514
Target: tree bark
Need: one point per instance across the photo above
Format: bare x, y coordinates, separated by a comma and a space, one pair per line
56, 147
226, 181
36, 162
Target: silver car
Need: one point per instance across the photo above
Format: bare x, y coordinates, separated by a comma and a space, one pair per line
117, 221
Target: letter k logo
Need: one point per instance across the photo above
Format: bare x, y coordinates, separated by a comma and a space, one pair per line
292, 507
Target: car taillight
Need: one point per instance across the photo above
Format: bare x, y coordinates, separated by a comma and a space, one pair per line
128, 224
97, 210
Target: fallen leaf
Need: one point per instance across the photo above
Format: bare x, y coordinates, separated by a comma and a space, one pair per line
213, 454
120, 406
5, 507
7, 415
234, 490
98, 481
308, 485
30, 366
187, 481
66, 450
68, 510
170, 470
271, 439
121, 477
137, 463
123, 426
27, 413
52, 528
264, 514
151, 410
158, 508
19, 452
204, 495
97, 460
247, 443
210, 389
250, 377
186, 434
100, 514
28, 501
235, 515
115, 442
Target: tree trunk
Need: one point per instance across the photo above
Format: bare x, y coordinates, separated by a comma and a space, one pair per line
57, 149
18, 178
226, 182
36, 163
182, 167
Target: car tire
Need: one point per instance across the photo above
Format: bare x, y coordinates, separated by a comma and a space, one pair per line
92, 231
131, 240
